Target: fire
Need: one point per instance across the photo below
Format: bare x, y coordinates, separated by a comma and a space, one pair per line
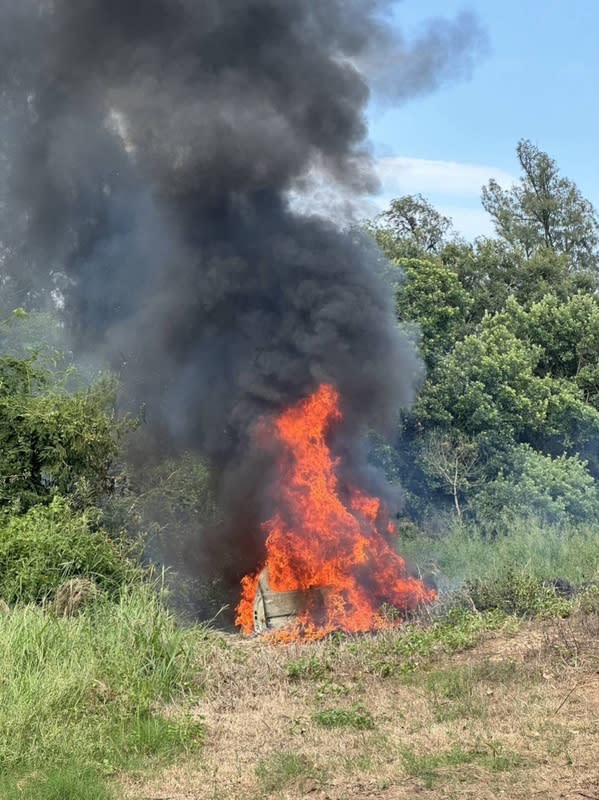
325, 536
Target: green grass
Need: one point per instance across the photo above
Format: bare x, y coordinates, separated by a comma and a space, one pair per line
283, 769
357, 718
527, 548
67, 783
454, 695
432, 767
88, 690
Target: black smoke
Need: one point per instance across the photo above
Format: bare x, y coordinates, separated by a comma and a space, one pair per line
149, 149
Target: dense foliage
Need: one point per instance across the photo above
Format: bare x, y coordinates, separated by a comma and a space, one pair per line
507, 421
42, 549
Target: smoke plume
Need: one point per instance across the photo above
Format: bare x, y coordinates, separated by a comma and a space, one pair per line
150, 147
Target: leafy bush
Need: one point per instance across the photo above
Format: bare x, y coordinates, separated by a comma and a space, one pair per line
556, 490
43, 548
50, 439
518, 593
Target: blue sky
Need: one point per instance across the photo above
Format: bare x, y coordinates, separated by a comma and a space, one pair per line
538, 81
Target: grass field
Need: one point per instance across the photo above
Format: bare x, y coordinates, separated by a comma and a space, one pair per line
493, 692
504, 708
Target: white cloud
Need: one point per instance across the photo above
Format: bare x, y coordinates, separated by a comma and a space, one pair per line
401, 175
453, 188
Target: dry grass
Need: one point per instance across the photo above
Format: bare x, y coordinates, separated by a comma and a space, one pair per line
515, 717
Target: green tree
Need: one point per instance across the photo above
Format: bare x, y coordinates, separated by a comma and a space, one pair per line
569, 335
433, 297
490, 388
491, 272
51, 441
544, 211
411, 227
558, 490
486, 387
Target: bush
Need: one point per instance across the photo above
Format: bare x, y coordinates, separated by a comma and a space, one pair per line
48, 545
518, 593
53, 440
556, 490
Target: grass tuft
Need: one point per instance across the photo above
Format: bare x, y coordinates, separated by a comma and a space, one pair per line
283, 769
66, 783
357, 718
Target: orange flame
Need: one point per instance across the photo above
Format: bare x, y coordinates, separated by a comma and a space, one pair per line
320, 539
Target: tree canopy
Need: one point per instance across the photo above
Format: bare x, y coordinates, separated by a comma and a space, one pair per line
508, 328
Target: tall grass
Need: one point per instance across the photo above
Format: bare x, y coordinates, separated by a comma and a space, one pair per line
464, 553
88, 691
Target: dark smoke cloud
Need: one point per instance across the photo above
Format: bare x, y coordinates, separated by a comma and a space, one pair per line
149, 149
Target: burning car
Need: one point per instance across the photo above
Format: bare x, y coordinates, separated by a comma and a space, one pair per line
279, 610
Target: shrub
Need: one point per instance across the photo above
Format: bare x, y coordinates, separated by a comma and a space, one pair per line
48, 545
518, 593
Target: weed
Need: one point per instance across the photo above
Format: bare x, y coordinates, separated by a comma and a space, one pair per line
332, 689
309, 667
519, 593
588, 600
358, 718
427, 767
454, 695
498, 759
66, 783
405, 650
281, 769
498, 672
151, 735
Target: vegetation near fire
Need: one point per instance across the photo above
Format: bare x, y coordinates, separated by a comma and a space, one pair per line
107, 677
